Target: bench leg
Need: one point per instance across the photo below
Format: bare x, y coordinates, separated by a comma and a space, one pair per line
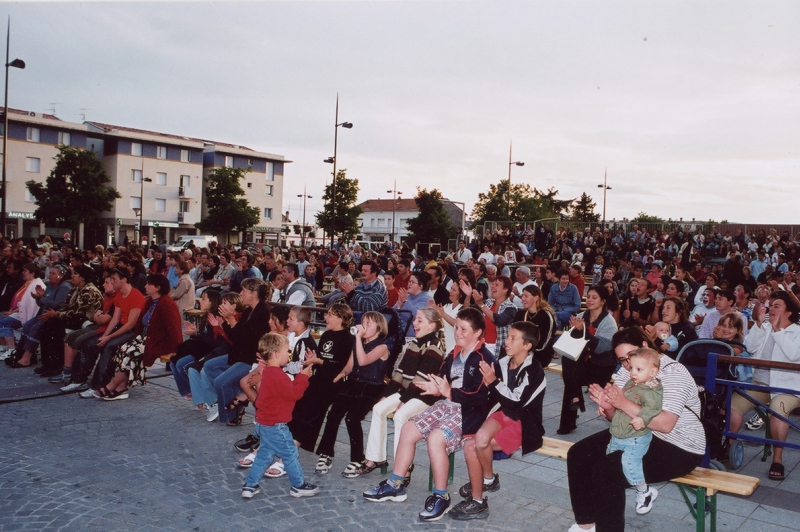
698, 508
449, 476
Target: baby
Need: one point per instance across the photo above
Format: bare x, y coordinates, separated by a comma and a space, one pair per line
630, 435
664, 332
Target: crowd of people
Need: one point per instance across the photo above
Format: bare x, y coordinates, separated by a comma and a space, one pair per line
483, 319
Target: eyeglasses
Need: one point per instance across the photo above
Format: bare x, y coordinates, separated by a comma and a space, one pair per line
625, 361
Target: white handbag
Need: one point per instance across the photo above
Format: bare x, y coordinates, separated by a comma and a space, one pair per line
567, 346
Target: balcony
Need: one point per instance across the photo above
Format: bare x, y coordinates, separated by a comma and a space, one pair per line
187, 218
186, 193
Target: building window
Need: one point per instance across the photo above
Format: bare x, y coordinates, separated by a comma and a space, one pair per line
136, 149
270, 171
64, 138
184, 180
161, 178
136, 176
268, 212
186, 156
270, 189
136, 202
29, 197
161, 205
228, 161
32, 164
33, 134
183, 206
249, 185
161, 152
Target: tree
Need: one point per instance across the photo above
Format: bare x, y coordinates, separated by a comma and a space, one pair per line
75, 192
583, 209
433, 223
347, 212
644, 218
228, 210
527, 204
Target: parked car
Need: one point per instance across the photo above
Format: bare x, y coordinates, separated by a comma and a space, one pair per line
200, 241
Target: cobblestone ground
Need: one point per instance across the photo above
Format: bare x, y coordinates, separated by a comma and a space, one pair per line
153, 463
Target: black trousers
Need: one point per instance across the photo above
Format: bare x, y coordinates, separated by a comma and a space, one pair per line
597, 484
577, 374
354, 402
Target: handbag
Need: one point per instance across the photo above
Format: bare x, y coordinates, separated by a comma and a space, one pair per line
567, 346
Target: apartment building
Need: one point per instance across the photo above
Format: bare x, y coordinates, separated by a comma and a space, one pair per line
160, 177
382, 218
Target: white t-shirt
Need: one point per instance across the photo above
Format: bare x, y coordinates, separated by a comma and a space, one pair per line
519, 286
449, 330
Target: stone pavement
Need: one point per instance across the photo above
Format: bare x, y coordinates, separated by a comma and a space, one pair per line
153, 463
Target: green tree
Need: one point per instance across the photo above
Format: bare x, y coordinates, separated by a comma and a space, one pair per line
583, 209
347, 212
527, 204
76, 191
644, 218
433, 223
228, 210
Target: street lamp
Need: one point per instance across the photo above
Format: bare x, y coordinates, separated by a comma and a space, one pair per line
510, 164
303, 234
138, 212
395, 193
332, 160
16, 63
605, 188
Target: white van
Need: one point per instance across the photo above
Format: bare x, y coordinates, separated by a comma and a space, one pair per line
200, 241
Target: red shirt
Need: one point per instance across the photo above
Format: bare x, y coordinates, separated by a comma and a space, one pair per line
134, 300
277, 395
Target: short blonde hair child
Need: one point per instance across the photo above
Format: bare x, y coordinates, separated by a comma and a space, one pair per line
650, 355
270, 344
378, 319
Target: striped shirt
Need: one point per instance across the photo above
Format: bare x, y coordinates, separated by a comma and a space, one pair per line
680, 395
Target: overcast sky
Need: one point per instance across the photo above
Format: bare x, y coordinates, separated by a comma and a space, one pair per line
694, 107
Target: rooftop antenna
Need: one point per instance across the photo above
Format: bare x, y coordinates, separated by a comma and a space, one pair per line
82, 113
52, 108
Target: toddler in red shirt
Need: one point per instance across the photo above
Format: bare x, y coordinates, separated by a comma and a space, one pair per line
277, 394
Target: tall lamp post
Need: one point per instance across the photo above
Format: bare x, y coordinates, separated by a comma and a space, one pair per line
510, 164
605, 188
303, 234
332, 160
395, 193
16, 63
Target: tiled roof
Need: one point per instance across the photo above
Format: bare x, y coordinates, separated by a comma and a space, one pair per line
403, 204
111, 127
12, 111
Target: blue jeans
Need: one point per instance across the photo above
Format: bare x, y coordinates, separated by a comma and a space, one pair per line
276, 440
225, 382
8, 325
30, 335
563, 318
633, 450
180, 372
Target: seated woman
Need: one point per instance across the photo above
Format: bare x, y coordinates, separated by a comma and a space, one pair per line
401, 396
536, 310
446, 424
50, 297
673, 312
23, 307
596, 480
201, 341
364, 371
499, 312
184, 289
158, 333
219, 379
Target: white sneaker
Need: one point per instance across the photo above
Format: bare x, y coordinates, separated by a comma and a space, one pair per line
75, 387
213, 413
86, 394
644, 501
755, 422
5, 352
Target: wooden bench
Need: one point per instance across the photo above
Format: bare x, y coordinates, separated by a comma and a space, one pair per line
704, 483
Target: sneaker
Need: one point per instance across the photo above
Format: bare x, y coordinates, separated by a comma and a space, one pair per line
323, 464
213, 413
75, 387
306, 490
55, 379
466, 490
386, 491
86, 394
248, 444
644, 501
351, 471
435, 507
755, 422
248, 492
470, 509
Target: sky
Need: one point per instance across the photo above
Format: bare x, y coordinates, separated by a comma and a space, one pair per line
691, 107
